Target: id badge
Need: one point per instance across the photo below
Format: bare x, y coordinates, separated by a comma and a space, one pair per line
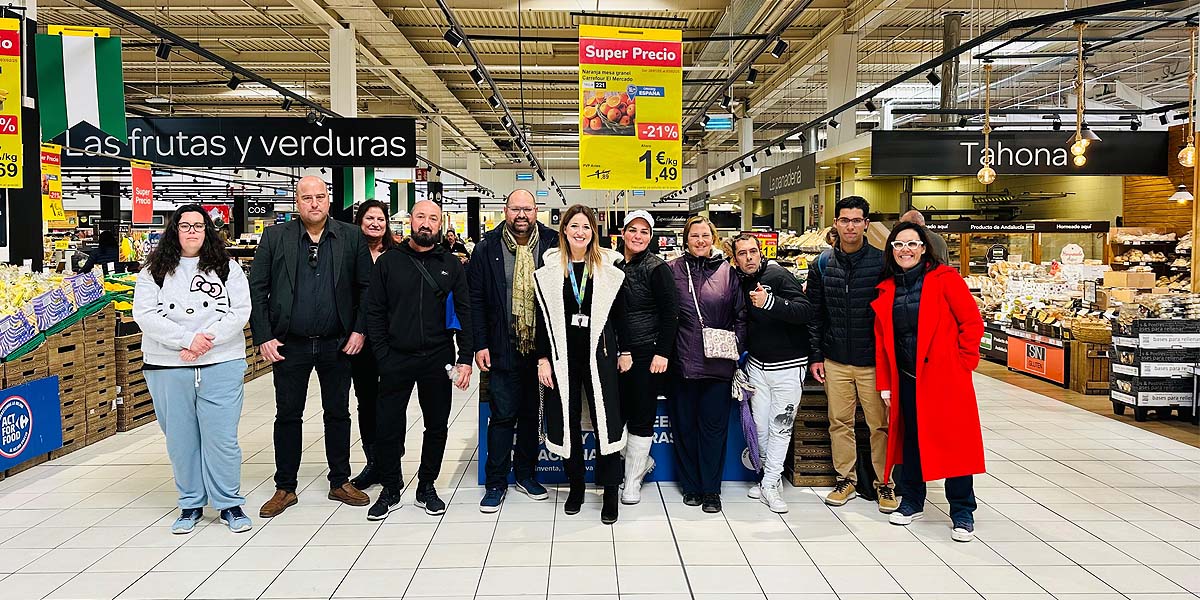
580, 320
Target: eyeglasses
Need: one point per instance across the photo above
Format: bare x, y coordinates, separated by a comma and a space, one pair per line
855, 222
907, 244
318, 199
520, 210
312, 255
191, 227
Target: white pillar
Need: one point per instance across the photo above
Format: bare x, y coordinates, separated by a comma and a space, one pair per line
433, 144
343, 87
745, 143
843, 84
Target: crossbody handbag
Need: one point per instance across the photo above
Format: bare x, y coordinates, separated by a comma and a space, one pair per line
452, 321
718, 343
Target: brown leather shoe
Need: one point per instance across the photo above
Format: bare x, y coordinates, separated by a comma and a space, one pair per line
348, 494
277, 504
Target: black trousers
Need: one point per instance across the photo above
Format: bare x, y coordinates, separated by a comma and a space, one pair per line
639, 393
365, 374
513, 399
960, 491
699, 411
301, 357
397, 379
608, 466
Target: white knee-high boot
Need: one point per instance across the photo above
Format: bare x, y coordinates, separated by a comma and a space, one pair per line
638, 464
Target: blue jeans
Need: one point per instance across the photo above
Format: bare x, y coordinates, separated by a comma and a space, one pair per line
198, 409
960, 492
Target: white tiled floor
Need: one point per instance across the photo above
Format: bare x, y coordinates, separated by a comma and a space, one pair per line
1075, 506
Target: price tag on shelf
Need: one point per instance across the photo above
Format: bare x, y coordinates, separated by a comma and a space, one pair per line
631, 88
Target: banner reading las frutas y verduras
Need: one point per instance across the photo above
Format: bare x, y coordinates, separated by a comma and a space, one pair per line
10, 103
631, 84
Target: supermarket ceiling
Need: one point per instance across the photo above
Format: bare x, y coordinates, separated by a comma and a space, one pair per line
407, 67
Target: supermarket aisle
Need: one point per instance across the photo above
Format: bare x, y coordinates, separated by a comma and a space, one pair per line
1075, 506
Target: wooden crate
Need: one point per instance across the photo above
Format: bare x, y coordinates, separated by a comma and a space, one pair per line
33, 365
27, 465
74, 438
129, 359
65, 350
72, 387
101, 414
1090, 365
101, 324
134, 408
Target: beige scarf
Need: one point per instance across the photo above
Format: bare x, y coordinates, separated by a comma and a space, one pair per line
523, 308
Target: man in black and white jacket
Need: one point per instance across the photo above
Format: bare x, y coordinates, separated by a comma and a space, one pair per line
778, 342
407, 325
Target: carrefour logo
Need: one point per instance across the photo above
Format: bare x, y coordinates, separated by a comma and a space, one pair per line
16, 426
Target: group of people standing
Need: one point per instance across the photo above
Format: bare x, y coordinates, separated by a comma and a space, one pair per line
564, 329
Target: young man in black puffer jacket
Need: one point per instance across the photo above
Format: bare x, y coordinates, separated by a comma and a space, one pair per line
777, 317
841, 286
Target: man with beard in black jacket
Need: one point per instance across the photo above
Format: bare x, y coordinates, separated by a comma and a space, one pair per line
777, 339
841, 287
407, 324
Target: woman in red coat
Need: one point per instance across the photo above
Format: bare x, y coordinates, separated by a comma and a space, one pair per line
927, 332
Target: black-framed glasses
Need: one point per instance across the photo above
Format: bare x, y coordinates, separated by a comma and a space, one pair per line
312, 255
191, 227
846, 222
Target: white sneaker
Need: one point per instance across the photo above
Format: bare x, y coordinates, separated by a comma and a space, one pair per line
899, 518
771, 497
754, 492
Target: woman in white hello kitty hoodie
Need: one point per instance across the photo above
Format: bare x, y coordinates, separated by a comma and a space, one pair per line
191, 302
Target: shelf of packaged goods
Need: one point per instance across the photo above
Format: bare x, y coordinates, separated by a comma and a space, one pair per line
1041, 339
1147, 243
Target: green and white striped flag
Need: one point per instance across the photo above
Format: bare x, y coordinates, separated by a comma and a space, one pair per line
80, 81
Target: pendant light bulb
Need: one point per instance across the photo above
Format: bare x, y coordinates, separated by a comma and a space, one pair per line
1085, 143
1080, 160
986, 175
1078, 148
1187, 156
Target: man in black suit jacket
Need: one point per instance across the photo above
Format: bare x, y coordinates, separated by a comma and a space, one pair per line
306, 283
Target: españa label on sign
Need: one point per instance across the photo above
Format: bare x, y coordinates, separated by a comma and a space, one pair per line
10, 103
52, 206
630, 99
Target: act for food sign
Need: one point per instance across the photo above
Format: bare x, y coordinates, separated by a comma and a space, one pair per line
630, 90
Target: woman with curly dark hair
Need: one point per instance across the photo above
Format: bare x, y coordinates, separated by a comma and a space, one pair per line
372, 220
191, 302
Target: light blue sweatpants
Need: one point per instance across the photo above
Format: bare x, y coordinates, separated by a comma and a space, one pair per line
198, 409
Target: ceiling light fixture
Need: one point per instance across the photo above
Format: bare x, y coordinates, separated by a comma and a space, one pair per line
493, 101
477, 76
452, 37
1080, 141
780, 47
320, 119
933, 78
1056, 125
704, 119
870, 104
1163, 119
962, 120
287, 104
163, 50
1134, 123
986, 174
751, 76
1187, 155
234, 82
768, 151
726, 100
833, 123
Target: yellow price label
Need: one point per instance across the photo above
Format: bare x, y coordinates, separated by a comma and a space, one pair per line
62, 244
630, 108
10, 104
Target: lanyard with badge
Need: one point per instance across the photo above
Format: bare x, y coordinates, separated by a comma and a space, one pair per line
579, 319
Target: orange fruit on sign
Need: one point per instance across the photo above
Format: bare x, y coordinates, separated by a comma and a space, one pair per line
629, 110
612, 100
625, 120
596, 124
589, 112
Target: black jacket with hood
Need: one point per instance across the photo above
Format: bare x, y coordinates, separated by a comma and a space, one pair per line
406, 315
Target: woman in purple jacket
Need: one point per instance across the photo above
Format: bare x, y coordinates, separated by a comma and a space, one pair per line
700, 392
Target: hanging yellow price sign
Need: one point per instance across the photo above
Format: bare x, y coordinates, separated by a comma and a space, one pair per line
10, 103
631, 88
52, 205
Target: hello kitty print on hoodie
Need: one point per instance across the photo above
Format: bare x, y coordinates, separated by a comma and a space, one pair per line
190, 302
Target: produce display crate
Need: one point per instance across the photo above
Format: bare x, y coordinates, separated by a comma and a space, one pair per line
101, 417
74, 438
65, 349
134, 407
100, 368
27, 367
129, 360
72, 386
101, 324
1090, 367
811, 460
27, 465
